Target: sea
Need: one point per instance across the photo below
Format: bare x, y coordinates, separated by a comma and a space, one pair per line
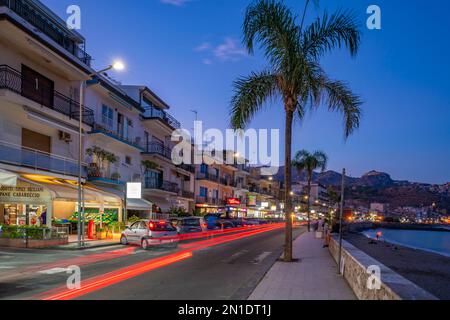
432, 241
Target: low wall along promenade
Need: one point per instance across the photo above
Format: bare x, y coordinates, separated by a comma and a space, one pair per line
392, 286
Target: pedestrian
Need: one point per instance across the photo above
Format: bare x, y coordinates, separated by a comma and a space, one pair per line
327, 231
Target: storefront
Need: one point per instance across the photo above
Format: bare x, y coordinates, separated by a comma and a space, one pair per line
25, 204
235, 208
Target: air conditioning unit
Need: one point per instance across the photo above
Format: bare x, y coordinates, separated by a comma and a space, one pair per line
64, 136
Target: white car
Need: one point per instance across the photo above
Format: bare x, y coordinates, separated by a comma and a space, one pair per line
148, 233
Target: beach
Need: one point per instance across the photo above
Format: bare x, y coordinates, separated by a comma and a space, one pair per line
428, 270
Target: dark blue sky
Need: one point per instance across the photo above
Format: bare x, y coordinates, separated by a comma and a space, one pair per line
189, 52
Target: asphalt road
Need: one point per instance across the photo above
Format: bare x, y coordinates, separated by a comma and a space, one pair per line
226, 271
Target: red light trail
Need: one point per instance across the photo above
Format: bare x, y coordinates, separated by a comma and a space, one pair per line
114, 277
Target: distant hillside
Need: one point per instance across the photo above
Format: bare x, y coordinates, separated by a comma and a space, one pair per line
377, 186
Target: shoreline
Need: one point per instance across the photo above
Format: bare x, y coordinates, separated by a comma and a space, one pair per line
428, 270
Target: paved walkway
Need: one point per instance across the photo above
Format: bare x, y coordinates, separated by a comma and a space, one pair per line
313, 278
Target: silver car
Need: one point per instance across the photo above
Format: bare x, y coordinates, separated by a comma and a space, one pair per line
148, 233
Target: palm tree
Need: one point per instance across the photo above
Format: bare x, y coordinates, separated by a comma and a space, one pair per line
309, 162
294, 74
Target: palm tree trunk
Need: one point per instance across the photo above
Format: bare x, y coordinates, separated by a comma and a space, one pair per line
309, 202
288, 185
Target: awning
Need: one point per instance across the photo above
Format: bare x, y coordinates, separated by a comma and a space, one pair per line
8, 179
132, 204
65, 190
139, 205
161, 202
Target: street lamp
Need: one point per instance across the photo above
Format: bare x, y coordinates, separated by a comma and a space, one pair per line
117, 65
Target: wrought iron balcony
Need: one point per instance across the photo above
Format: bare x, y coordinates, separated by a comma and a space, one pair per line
155, 113
31, 12
37, 160
11, 79
99, 128
187, 167
151, 183
207, 176
156, 148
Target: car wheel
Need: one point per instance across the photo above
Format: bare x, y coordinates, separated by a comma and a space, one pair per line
123, 240
144, 244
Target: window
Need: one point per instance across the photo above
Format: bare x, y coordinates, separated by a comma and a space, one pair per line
204, 168
203, 192
128, 160
107, 116
36, 141
153, 179
215, 194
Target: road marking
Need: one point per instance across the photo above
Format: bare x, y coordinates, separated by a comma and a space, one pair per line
261, 257
1, 267
54, 271
235, 256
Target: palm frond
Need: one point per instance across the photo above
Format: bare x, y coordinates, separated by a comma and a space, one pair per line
250, 95
339, 30
272, 25
340, 98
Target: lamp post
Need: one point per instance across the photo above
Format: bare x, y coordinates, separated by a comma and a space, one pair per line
118, 65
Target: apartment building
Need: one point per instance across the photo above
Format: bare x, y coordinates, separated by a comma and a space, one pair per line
42, 64
264, 195
165, 184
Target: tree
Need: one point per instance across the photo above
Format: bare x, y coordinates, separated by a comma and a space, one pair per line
294, 74
309, 162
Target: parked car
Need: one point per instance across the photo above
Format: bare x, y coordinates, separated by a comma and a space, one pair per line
148, 233
239, 223
191, 225
211, 220
225, 224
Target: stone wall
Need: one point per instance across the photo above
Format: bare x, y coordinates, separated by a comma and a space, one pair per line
393, 286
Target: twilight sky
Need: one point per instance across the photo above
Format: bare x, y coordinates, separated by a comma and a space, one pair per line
189, 52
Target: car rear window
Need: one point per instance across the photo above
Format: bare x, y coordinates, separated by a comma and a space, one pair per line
163, 226
191, 222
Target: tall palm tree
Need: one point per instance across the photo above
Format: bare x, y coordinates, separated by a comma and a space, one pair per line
309, 162
294, 74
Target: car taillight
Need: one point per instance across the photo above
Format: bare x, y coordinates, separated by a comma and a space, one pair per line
151, 226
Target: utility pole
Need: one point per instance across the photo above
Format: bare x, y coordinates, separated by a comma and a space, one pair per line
341, 221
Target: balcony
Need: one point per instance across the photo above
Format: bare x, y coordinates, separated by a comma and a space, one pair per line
11, 79
37, 17
187, 194
210, 201
156, 148
155, 113
226, 182
207, 176
187, 167
150, 183
16, 155
99, 128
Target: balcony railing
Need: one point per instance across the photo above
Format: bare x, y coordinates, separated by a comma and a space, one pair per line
187, 167
156, 148
210, 201
187, 194
37, 160
150, 183
27, 10
12, 80
207, 176
154, 113
117, 135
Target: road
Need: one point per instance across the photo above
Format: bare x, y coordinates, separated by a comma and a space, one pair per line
199, 270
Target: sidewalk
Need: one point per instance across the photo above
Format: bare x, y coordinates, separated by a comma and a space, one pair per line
313, 278
88, 244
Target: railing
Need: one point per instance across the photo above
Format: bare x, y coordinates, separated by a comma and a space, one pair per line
35, 16
154, 113
187, 167
242, 167
116, 135
12, 80
159, 149
38, 160
150, 183
187, 194
207, 176
226, 182
207, 200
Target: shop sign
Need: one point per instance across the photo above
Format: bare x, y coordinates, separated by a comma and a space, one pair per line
134, 190
24, 192
233, 202
264, 204
251, 201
